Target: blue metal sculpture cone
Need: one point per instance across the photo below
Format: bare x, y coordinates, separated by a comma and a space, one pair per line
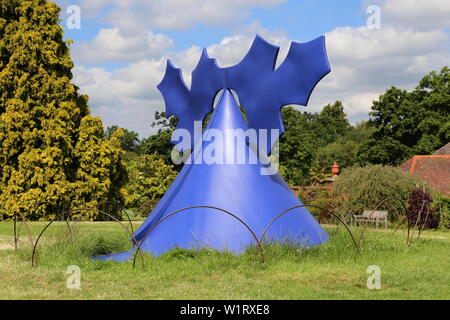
229, 206
237, 188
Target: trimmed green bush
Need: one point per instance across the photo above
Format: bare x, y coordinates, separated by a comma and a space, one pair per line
362, 188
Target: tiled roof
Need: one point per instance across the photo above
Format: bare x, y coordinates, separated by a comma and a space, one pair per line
445, 150
433, 169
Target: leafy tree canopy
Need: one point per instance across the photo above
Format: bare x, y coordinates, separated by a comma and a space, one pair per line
410, 123
150, 177
160, 142
345, 149
129, 139
305, 134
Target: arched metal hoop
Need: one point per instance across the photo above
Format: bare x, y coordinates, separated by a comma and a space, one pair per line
356, 244
23, 221
258, 241
121, 209
376, 208
33, 255
417, 222
138, 248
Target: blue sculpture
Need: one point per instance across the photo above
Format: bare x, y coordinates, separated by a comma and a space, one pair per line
262, 90
209, 191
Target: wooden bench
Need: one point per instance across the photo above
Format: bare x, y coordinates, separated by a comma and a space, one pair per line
372, 216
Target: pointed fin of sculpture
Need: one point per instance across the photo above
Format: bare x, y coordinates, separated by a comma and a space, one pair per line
261, 89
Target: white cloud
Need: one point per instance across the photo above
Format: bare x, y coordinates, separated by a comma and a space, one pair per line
364, 64
132, 15
136, 81
363, 44
126, 96
133, 114
367, 62
231, 50
418, 14
110, 45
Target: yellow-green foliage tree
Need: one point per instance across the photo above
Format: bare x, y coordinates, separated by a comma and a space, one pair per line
101, 172
45, 122
149, 178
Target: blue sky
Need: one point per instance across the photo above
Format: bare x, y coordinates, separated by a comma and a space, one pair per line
122, 45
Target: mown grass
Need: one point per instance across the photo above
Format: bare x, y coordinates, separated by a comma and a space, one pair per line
331, 271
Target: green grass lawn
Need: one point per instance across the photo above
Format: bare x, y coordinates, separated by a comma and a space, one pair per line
331, 271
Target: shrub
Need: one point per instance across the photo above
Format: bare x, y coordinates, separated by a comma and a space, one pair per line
320, 197
147, 207
441, 205
363, 188
419, 212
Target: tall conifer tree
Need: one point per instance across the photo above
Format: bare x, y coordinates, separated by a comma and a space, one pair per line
41, 117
